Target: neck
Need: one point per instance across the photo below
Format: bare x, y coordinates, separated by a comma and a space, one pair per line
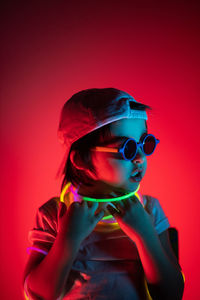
103, 191
100, 191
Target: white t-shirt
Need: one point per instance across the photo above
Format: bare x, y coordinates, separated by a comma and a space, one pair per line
107, 265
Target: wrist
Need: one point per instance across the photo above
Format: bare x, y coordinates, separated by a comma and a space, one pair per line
147, 236
67, 243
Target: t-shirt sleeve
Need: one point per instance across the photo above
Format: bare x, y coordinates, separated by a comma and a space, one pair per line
44, 232
42, 236
160, 220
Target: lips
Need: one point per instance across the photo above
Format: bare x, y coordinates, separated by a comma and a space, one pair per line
136, 172
136, 176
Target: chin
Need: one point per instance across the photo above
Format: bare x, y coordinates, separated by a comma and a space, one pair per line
127, 188
131, 186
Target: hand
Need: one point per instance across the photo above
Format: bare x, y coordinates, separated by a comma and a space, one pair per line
76, 223
132, 218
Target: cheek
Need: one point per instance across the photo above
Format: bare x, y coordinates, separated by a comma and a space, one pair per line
144, 166
145, 163
111, 169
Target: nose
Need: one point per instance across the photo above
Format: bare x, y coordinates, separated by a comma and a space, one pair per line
139, 158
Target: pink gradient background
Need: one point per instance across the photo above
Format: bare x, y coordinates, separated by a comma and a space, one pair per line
52, 50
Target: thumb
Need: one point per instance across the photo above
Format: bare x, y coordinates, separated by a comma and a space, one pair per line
112, 210
62, 209
100, 215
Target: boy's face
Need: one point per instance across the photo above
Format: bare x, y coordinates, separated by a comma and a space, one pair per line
113, 172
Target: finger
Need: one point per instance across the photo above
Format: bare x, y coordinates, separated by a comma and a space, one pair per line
93, 206
99, 215
62, 209
129, 203
132, 199
135, 198
84, 203
89, 203
74, 206
113, 205
122, 205
114, 211
119, 205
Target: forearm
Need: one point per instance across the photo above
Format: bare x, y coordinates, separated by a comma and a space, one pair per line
164, 277
47, 280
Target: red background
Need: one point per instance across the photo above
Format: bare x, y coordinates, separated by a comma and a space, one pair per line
51, 50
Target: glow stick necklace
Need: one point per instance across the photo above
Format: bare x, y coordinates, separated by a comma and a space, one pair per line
110, 218
96, 199
112, 199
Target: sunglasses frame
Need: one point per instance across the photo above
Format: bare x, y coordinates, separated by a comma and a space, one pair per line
122, 148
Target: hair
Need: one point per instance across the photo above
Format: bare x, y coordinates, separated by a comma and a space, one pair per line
82, 148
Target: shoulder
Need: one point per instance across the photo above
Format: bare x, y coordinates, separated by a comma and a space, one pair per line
49, 209
51, 204
45, 221
150, 203
154, 208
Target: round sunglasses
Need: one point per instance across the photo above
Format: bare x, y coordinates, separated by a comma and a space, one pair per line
130, 147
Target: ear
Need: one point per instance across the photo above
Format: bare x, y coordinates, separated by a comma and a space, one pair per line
74, 161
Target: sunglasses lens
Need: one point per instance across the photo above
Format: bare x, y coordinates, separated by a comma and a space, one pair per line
149, 145
130, 149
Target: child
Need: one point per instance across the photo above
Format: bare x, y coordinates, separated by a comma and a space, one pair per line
102, 239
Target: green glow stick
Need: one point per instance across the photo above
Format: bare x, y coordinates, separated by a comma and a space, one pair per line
111, 199
101, 200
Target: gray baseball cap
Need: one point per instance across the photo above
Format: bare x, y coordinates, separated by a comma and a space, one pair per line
91, 109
